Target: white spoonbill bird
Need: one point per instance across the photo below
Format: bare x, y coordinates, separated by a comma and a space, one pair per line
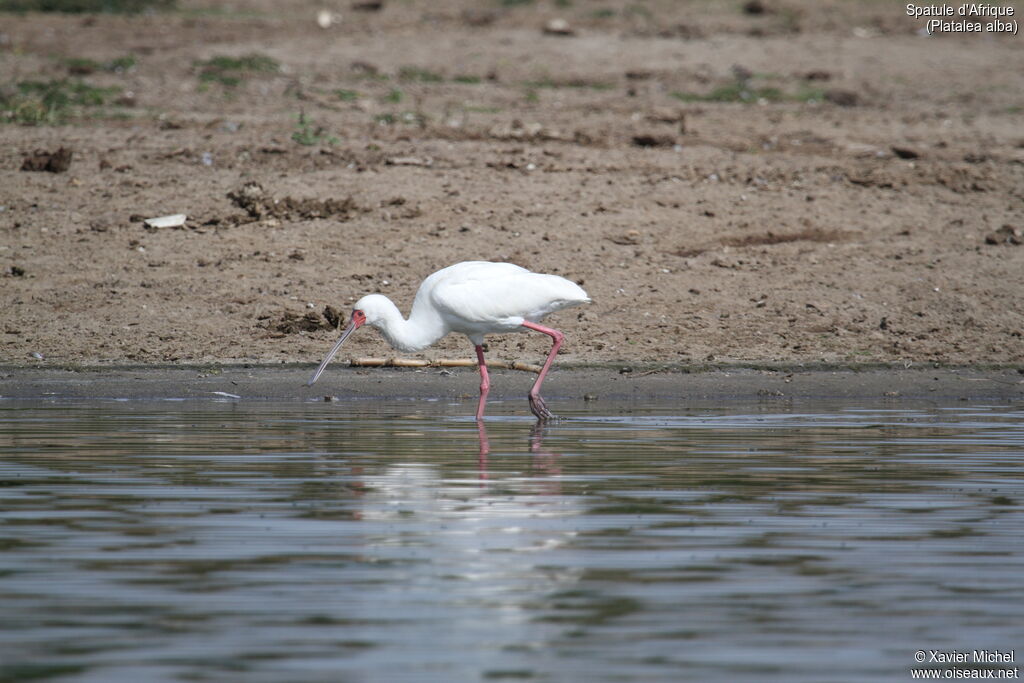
475, 298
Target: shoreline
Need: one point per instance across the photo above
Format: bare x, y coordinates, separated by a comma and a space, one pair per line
740, 382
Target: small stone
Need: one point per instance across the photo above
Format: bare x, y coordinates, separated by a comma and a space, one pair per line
627, 238
172, 221
558, 27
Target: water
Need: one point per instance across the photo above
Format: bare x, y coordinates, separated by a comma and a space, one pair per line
247, 541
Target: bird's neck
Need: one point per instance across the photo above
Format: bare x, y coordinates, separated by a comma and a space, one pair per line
414, 334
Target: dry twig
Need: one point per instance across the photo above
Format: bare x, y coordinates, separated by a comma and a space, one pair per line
443, 363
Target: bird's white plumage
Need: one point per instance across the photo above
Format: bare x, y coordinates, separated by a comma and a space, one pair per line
479, 297
474, 298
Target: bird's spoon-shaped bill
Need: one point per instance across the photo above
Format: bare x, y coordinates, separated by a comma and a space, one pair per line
357, 320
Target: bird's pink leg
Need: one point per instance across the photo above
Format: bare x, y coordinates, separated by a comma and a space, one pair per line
485, 382
485, 448
537, 404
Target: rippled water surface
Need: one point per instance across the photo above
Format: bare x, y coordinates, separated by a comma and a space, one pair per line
222, 541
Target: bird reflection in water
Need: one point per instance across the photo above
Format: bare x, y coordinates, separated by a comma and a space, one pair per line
544, 461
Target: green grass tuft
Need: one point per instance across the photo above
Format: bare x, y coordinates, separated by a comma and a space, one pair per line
406, 117
229, 71
119, 64
415, 73
84, 66
573, 83
309, 133
744, 90
35, 103
734, 92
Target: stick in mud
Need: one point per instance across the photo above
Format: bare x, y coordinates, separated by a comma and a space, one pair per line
443, 362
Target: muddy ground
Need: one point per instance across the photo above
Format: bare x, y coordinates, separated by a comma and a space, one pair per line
590, 389
777, 181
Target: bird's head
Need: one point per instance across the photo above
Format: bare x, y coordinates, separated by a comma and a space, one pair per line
371, 310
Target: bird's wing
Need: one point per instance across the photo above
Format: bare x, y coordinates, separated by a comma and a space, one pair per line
498, 292
477, 292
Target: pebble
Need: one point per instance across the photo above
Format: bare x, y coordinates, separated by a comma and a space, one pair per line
558, 27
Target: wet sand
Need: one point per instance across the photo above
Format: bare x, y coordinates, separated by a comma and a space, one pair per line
611, 383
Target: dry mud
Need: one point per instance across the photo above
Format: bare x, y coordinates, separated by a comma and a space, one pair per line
814, 182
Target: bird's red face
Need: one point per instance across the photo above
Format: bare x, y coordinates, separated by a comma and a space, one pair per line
358, 319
